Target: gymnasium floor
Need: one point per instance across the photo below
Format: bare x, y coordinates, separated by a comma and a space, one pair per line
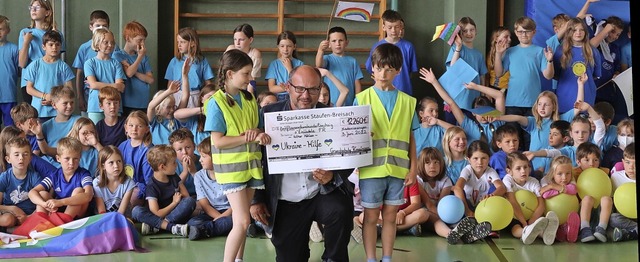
166, 247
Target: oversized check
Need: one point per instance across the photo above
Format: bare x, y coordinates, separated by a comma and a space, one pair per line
328, 138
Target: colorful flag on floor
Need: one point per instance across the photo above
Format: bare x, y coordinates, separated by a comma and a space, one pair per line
104, 233
446, 32
354, 11
625, 83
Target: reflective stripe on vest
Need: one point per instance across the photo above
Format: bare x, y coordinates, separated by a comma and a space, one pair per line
240, 163
391, 137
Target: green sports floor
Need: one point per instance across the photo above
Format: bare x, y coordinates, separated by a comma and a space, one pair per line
166, 247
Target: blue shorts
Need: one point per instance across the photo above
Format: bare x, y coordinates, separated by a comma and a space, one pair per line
376, 191
235, 187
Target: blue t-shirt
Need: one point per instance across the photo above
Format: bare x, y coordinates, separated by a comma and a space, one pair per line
105, 71
215, 118
160, 130
567, 90
454, 170
33, 141
570, 152
626, 55
41, 166
54, 131
428, 137
188, 183
162, 192
136, 91
112, 200
15, 192
524, 74
35, 46
44, 77
498, 161
609, 68
9, 71
388, 100
136, 165
89, 161
472, 129
347, 70
402, 81
475, 59
199, 72
111, 135
62, 188
278, 72
210, 189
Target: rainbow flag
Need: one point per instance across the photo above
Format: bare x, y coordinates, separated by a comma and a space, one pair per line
104, 233
354, 11
446, 32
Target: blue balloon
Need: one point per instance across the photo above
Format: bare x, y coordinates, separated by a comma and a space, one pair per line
450, 209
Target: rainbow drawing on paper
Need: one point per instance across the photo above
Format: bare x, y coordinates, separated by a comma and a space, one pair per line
446, 32
355, 14
354, 11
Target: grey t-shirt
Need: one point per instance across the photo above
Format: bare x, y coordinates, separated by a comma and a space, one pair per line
211, 190
112, 200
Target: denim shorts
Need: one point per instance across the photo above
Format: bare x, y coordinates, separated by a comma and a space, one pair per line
376, 191
235, 187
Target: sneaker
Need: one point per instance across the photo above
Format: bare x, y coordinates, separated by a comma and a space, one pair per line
415, 230
481, 231
621, 234
530, 232
573, 227
465, 226
600, 234
268, 234
549, 233
147, 229
315, 234
180, 230
586, 235
356, 233
252, 230
196, 233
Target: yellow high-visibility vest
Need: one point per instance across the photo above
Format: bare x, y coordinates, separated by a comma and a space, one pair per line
241, 163
390, 136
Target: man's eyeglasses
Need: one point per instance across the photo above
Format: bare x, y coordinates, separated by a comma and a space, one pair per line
302, 89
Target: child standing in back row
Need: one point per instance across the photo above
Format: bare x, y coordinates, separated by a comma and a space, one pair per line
278, 71
136, 66
199, 70
393, 27
101, 71
9, 71
343, 67
393, 118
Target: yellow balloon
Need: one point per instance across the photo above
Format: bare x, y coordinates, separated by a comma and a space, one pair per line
496, 210
527, 201
625, 200
595, 183
562, 205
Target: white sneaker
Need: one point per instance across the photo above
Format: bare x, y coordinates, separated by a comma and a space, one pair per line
180, 230
530, 232
549, 233
315, 234
147, 229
